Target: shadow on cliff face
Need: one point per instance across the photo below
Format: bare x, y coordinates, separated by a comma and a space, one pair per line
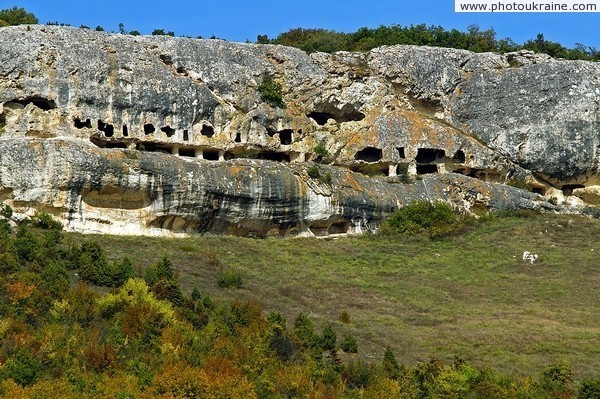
116, 197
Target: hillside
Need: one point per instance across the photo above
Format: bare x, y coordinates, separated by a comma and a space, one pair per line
470, 295
395, 316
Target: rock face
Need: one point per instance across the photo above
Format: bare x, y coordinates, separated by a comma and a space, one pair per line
160, 135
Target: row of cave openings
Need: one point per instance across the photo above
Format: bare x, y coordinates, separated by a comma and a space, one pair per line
109, 129
285, 136
427, 161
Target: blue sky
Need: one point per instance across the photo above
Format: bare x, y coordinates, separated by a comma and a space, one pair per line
237, 20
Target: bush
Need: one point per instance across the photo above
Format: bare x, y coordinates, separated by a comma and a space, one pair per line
26, 244
321, 152
519, 183
271, 92
304, 330
45, 221
590, 389
162, 32
120, 272
6, 211
56, 278
8, 263
92, 264
329, 339
402, 171
558, 378
344, 317
229, 279
314, 172
168, 290
348, 343
2, 118
436, 218
390, 365
23, 367
358, 374
5, 229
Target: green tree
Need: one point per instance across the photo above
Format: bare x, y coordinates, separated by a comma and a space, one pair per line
24, 368
162, 32
26, 243
56, 278
390, 365
120, 272
329, 338
16, 16
161, 270
304, 330
92, 264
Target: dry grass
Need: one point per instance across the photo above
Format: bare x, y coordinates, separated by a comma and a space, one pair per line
470, 295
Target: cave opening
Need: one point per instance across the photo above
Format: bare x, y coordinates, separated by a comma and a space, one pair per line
426, 169
339, 228
79, 124
286, 136
115, 144
207, 131
459, 157
125, 131
567, 189
42, 103
369, 154
274, 156
428, 155
149, 128
401, 152
186, 135
168, 130
211, 155
187, 152
107, 128
153, 147
320, 117
238, 138
324, 112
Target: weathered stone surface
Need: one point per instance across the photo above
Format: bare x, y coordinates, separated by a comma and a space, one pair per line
133, 192
85, 117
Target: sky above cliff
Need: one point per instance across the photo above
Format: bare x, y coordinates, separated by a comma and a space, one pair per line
237, 20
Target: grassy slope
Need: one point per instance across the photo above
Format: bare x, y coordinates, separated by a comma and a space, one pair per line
471, 295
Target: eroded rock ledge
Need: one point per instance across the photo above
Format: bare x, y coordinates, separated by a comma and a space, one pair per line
150, 135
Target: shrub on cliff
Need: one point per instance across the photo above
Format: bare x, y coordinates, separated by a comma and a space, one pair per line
271, 92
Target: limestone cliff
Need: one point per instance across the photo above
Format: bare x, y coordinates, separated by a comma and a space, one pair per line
150, 135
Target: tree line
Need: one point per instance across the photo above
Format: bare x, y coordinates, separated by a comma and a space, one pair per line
473, 39
364, 39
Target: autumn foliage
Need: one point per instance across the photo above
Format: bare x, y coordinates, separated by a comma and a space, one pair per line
146, 339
